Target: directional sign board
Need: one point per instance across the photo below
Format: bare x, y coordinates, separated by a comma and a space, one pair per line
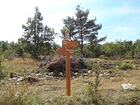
70, 44
64, 51
67, 50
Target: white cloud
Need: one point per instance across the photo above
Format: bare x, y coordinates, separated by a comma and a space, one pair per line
12, 16
127, 10
14, 13
120, 33
108, 13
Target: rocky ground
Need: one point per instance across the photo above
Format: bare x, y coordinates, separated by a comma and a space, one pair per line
114, 80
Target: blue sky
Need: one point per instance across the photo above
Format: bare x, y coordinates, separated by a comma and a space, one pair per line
120, 18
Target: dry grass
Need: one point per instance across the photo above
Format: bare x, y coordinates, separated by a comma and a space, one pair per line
51, 88
20, 65
47, 89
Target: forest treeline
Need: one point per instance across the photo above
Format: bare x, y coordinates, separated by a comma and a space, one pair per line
121, 49
38, 39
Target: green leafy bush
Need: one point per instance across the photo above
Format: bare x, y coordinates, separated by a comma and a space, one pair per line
103, 57
125, 66
92, 95
2, 74
18, 95
11, 96
130, 100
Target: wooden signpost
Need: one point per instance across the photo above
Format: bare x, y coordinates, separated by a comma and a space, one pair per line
67, 51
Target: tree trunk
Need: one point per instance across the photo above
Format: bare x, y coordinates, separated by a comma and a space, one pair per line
81, 46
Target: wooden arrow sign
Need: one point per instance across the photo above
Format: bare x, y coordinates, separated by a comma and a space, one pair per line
70, 44
67, 51
64, 51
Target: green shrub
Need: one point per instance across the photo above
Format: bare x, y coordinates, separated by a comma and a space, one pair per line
129, 100
103, 57
2, 74
9, 54
92, 95
125, 66
18, 95
11, 96
57, 101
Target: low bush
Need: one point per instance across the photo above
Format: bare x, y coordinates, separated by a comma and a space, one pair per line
129, 100
18, 95
2, 74
125, 66
11, 96
104, 57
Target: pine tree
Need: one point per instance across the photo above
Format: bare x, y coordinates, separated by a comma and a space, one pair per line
46, 40
82, 29
37, 38
70, 24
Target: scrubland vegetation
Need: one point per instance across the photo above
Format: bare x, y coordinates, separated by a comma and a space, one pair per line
100, 87
26, 80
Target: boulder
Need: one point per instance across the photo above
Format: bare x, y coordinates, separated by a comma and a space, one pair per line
128, 86
30, 80
57, 64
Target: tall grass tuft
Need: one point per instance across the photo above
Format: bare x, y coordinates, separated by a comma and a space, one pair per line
92, 89
2, 74
11, 95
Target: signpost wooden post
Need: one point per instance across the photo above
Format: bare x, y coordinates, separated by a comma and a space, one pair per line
68, 75
67, 51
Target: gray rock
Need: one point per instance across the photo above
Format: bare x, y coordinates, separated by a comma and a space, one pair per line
128, 86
